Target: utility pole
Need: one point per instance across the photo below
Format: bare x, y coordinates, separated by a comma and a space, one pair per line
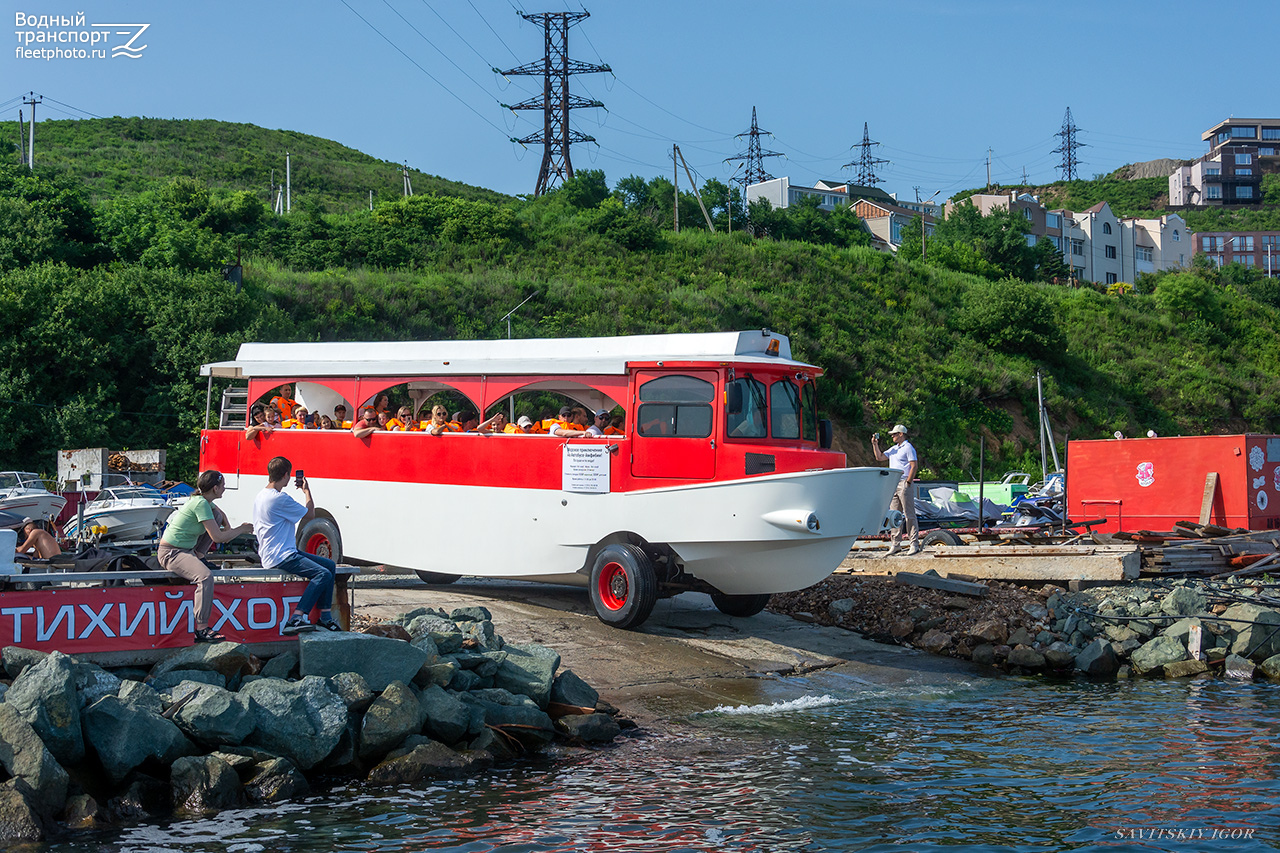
555, 100
689, 174
988, 168
922, 236
370, 199
866, 162
408, 185
675, 183
22, 141
754, 158
1070, 162
32, 98
288, 183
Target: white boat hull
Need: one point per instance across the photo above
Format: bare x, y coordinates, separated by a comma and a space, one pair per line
124, 523
43, 505
741, 536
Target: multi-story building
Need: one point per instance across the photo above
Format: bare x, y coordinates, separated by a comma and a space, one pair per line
1096, 244
1257, 249
881, 212
889, 223
1241, 150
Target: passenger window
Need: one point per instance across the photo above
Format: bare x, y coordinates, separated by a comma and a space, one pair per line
784, 404
809, 398
746, 411
676, 407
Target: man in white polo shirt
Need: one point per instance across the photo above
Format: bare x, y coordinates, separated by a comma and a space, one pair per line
901, 457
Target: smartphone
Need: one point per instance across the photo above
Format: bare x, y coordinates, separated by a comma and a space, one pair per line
297, 478
876, 436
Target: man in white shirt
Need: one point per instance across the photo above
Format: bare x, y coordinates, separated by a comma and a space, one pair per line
901, 457
601, 421
275, 521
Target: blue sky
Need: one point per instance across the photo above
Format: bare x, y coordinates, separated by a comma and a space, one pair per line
939, 82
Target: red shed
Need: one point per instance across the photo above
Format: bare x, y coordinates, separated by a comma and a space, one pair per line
1151, 483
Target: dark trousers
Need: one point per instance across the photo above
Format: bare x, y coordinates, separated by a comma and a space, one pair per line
318, 570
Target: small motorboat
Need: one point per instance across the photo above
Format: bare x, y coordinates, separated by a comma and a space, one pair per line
123, 513
24, 494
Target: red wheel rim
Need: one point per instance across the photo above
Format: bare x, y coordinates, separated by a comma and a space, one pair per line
613, 587
319, 545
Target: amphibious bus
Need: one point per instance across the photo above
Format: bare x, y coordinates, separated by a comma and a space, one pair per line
722, 479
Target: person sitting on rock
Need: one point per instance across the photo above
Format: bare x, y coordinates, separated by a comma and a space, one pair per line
38, 542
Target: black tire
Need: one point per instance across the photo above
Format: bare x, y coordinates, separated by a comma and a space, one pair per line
941, 537
740, 605
624, 586
435, 578
320, 536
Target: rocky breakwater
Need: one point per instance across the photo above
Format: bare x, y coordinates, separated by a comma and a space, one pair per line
1175, 629
427, 695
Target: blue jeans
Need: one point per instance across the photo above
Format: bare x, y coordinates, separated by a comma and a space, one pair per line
320, 571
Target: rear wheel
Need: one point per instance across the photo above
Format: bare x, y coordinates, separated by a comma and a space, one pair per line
320, 536
624, 586
941, 537
435, 578
740, 605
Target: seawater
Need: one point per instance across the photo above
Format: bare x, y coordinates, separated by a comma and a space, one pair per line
990, 764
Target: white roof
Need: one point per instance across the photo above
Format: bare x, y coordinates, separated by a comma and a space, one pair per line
524, 356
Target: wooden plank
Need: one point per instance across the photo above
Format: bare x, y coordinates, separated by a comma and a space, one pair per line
1206, 500
937, 582
1094, 563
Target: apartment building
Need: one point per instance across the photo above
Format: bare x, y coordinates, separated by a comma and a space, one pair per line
1256, 249
1241, 151
889, 223
1095, 243
883, 214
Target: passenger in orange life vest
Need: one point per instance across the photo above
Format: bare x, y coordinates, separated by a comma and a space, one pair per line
340, 417
466, 420
439, 421
497, 423
367, 425
299, 419
601, 421
403, 421
548, 422
384, 420
284, 402
576, 426
615, 426
523, 426
274, 419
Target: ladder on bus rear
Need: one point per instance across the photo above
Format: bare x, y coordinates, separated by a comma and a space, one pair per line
235, 407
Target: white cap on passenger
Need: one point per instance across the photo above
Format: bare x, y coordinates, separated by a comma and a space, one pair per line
524, 421
898, 428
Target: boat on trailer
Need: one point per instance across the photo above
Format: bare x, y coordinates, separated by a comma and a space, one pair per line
25, 495
722, 480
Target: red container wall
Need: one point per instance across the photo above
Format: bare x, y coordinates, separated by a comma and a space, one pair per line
1152, 483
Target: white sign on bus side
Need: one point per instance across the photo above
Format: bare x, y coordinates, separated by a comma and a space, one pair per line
585, 469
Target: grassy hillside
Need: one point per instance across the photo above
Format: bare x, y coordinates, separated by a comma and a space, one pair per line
125, 156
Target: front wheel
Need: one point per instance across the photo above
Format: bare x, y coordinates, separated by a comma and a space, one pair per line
624, 586
320, 536
435, 578
740, 605
941, 537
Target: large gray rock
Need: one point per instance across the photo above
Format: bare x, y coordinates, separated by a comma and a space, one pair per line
391, 718
528, 670
569, 689
171, 679
204, 783
442, 632
124, 736
229, 660
354, 690
379, 660
93, 682
1239, 667
216, 717
501, 708
480, 633
45, 696
1026, 658
144, 797
592, 728
425, 761
142, 696
1097, 659
299, 720
992, 631
25, 757
16, 659
275, 781
18, 818
1185, 668
1154, 654
471, 614
1257, 641
1271, 667
1181, 630
282, 665
1183, 601
1059, 655
447, 718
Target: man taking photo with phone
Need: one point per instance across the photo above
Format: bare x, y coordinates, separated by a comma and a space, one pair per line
275, 520
901, 457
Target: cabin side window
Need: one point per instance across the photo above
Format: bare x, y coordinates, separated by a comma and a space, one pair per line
809, 400
675, 407
784, 405
746, 409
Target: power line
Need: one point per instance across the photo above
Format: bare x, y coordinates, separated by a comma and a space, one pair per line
1070, 162
492, 30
